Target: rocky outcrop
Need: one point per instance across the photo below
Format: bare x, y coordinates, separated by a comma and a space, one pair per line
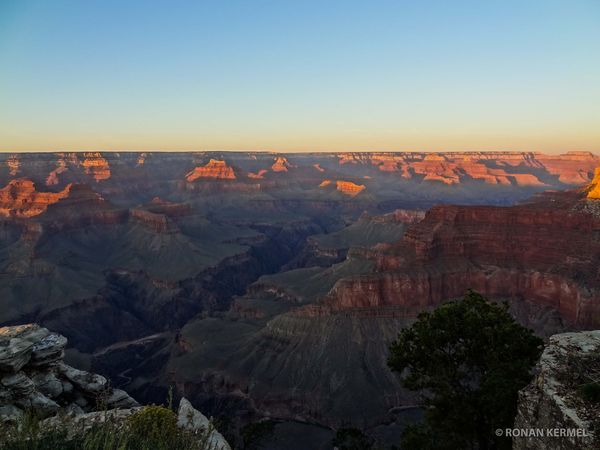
53, 177
505, 168
551, 414
157, 222
545, 252
13, 165
188, 418
258, 175
96, 166
21, 199
349, 188
215, 169
192, 419
594, 187
34, 377
281, 164
345, 187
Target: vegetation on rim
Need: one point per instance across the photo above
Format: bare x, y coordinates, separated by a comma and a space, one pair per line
469, 359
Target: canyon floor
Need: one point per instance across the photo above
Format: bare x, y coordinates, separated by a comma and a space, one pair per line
264, 285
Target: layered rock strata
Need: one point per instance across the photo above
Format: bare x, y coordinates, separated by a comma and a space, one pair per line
33, 376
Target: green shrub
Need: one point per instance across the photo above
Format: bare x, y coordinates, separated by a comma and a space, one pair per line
151, 428
153, 424
467, 359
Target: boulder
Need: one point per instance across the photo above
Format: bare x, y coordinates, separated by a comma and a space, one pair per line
39, 404
16, 345
120, 399
48, 384
48, 350
89, 383
19, 385
191, 419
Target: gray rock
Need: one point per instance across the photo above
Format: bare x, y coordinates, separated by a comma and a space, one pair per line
14, 354
41, 405
89, 383
80, 401
10, 413
48, 384
18, 384
192, 419
83, 422
48, 350
16, 345
66, 387
74, 409
547, 403
120, 399
33, 377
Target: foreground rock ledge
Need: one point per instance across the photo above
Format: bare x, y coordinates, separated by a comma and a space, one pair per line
550, 401
34, 377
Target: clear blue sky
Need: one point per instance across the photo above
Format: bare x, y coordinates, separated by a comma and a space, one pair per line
300, 75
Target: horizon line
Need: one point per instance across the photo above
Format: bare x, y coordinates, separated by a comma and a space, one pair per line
308, 152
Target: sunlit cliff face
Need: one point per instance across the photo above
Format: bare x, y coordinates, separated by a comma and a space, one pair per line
215, 169
594, 192
96, 166
490, 167
21, 199
345, 187
281, 164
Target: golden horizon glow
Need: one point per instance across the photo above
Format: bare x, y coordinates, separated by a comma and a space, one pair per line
300, 76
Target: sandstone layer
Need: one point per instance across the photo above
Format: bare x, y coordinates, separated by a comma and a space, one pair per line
545, 251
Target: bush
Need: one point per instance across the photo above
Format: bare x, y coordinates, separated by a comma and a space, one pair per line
151, 428
468, 359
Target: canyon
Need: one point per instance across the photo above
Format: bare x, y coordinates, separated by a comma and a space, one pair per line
265, 285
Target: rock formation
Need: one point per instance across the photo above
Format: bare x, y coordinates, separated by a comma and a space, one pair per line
215, 169
96, 166
551, 404
21, 199
34, 376
345, 187
594, 188
545, 252
13, 165
258, 175
53, 177
281, 164
490, 167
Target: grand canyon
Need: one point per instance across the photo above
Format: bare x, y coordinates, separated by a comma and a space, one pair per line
270, 285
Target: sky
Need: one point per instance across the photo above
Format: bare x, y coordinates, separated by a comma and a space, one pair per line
300, 75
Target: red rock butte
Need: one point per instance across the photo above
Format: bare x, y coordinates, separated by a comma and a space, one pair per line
96, 166
215, 169
21, 199
345, 187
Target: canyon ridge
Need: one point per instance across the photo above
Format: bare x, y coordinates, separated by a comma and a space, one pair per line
268, 285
